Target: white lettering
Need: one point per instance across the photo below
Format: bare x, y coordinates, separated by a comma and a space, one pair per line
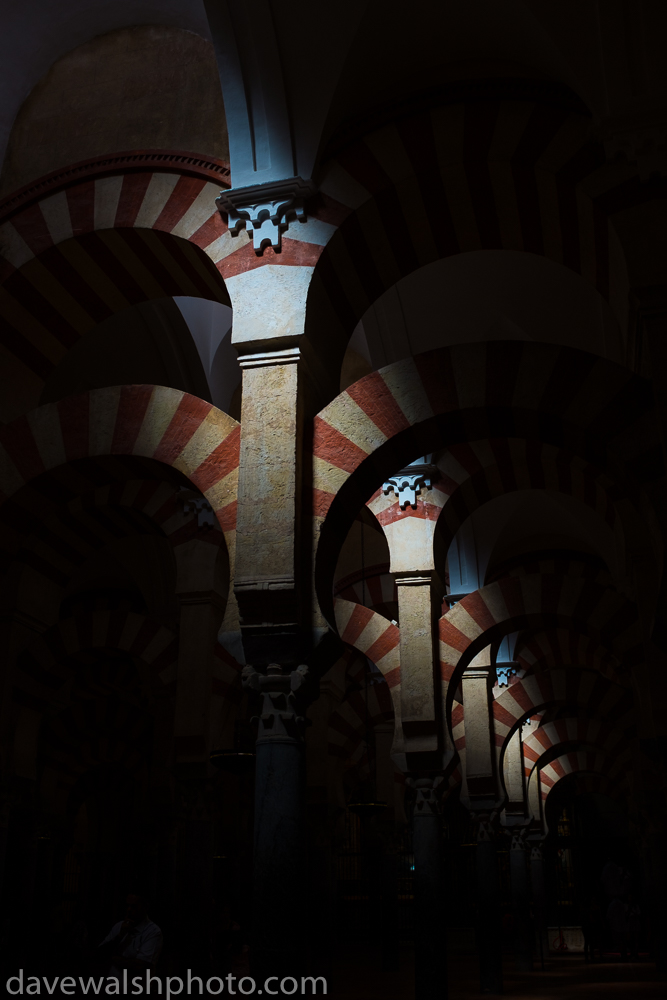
314, 980
19, 980
291, 980
91, 984
193, 979
266, 986
152, 979
174, 979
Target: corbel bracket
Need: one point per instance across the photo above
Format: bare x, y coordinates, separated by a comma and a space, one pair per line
505, 671
265, 209
407, 483
194, 503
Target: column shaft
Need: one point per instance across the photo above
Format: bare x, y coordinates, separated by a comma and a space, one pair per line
522, 924
430, 940
278, 900
539, 903
488, 917
430, 930
279, 940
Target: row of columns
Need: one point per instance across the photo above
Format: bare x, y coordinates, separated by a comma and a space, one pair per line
279, 853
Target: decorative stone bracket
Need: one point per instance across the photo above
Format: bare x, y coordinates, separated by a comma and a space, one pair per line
643, 143
506, 670
194, 503
519, 835
486, 826
407, 483
265, 209
283, 700
429, 794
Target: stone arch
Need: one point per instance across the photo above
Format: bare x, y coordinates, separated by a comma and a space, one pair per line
153, 422
570, 730
591, 767
365, 705
41, 675
41, 669
471, 174
502, 389
548, 648
83, 243
166, 426
513, 604
378, 640
582, 761
581, 687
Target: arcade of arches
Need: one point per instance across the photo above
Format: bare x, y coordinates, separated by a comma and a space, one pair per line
332, 483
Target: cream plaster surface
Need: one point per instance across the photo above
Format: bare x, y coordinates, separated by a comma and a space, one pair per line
269, 302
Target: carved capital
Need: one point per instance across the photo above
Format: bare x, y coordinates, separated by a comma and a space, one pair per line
284, 699
486, 827
536, 852
408, 483
519, 834
195, 503
265, 209
506, 670
428, 791
641, 141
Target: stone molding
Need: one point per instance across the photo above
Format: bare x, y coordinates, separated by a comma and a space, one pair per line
135, 160
267, 359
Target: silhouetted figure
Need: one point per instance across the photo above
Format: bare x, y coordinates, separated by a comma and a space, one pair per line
134, 943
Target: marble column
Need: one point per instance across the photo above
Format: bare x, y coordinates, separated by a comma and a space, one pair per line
522, 932
279, 838
488, 915
539, 901
430, 929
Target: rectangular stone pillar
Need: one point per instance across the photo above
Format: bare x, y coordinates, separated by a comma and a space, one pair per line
419, 699
480, 788
265, 582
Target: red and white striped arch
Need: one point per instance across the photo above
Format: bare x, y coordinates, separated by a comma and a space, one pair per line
164, 424
548, 648
582, 688
495, 171
377, 639
67, 534
582, 762
513, 604
44, 667
539, 395
572, 730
